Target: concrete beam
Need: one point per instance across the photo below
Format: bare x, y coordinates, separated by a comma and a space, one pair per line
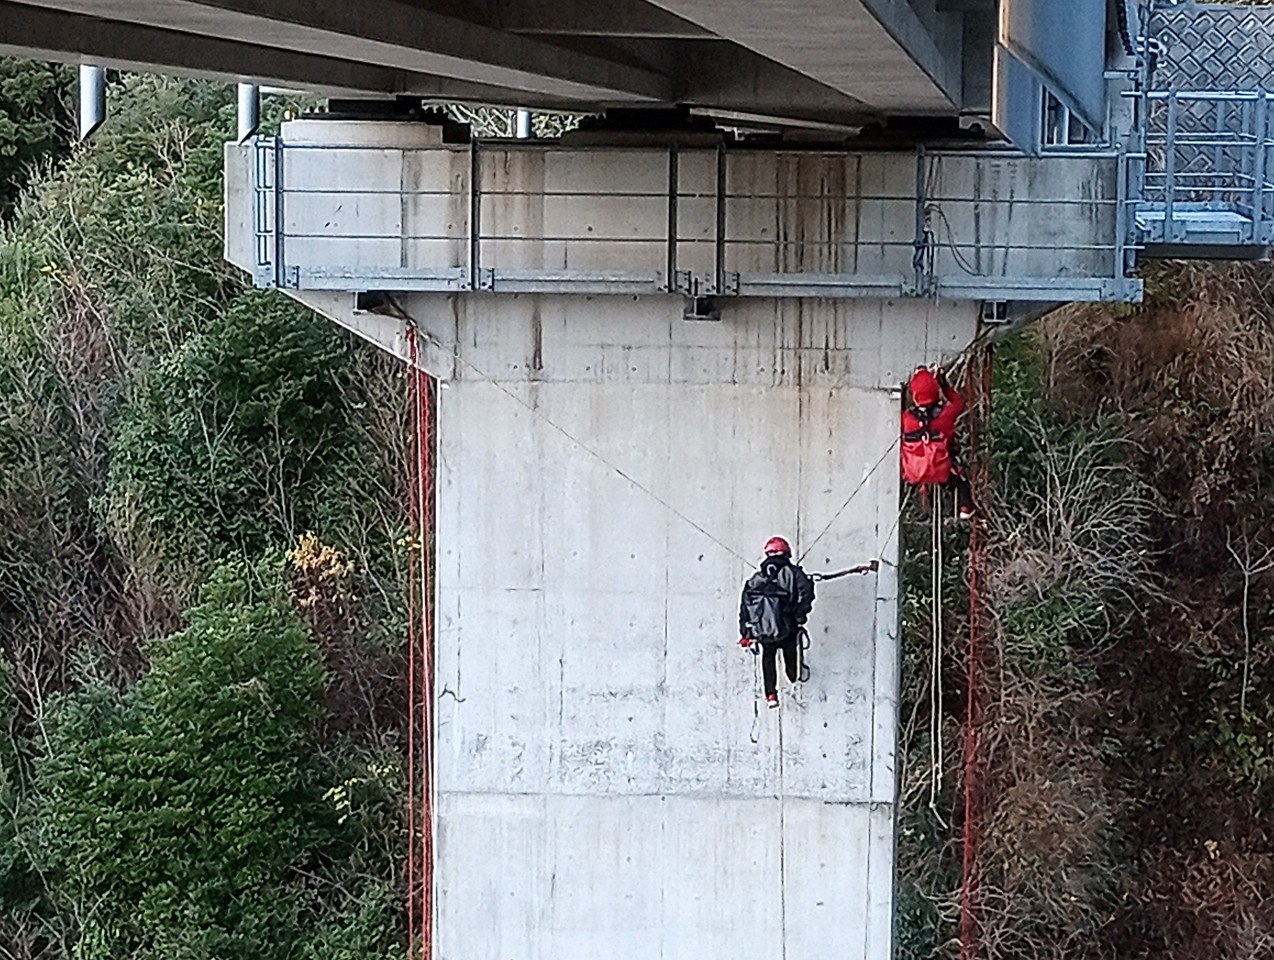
877, 51
53, 35
727, 79
584, 18
391, 34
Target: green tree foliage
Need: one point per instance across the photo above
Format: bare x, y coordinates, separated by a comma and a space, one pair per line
222, 443
161, 422
35, 125
185, 817
156, 413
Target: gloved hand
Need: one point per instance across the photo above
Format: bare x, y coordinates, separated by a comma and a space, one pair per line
745, 642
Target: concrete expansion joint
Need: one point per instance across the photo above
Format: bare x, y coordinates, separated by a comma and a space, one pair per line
664, 796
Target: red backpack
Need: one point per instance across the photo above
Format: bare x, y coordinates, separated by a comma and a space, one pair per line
926, 453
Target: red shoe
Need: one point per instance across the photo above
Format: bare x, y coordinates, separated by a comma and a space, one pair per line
772, 701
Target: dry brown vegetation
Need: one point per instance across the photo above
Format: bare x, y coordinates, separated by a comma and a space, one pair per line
1189, 683
1127, 738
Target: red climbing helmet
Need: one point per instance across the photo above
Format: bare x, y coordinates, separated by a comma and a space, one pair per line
924, 388
777, 545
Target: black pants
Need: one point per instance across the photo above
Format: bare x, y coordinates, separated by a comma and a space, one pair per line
959, 479
959, 482
791, 661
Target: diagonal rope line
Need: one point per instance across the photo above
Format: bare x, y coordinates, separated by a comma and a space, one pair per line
853, 493
578, 442
451, 348
884, 541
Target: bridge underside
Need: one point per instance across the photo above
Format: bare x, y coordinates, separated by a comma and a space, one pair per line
797, 62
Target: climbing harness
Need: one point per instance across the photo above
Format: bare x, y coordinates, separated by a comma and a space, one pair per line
926, 453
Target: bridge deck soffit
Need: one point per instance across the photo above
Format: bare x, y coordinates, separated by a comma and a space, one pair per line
824, 61
876, 51
394, 35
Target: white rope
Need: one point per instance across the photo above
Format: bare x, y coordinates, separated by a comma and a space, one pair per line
782, 845
619, 471
582, 445
755, 734
936, 758
852, 494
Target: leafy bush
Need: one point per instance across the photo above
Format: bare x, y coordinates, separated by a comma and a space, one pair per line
162, 422
35, 124
221, 447
182, 814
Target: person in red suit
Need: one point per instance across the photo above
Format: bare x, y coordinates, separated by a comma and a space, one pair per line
930, 454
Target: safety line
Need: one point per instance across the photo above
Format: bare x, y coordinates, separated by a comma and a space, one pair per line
853, 493
413, 482
421, 760
424, 393
884, 542
755, 734
937, 605
970, 873
782, 840
582, 445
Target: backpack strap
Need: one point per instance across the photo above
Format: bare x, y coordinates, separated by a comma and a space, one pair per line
926, 432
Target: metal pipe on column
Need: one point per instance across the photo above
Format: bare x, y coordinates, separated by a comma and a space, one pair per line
92, 99
522, 129
249, 110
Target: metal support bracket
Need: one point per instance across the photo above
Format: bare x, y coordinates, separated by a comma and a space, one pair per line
702, 309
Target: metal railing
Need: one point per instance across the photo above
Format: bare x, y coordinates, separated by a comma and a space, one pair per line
681, 226
1203, 168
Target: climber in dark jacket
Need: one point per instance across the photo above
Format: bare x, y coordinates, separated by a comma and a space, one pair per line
776, 601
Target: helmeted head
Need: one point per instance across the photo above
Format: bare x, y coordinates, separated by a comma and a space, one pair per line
776, 546
924, 388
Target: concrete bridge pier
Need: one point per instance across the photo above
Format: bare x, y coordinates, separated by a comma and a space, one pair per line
607, 473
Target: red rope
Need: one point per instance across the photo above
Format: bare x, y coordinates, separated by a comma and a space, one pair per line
979, 424
413, 523
424, 393
420, 700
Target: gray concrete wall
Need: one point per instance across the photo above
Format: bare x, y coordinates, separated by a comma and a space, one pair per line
599, 790
370, 205
607, 474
